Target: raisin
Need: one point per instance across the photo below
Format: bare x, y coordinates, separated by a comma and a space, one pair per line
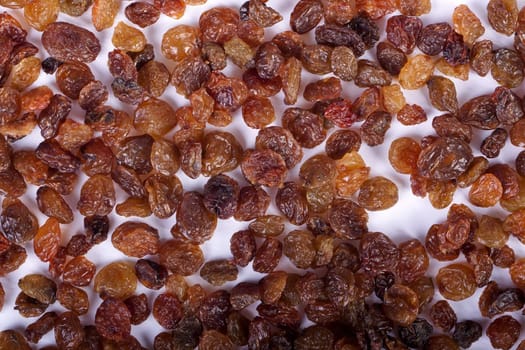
455, 51
316, 58
378, 253
116, 280
507, 68
442, 315
218, 272
467, 24
502, 15
218, 25
306, 15
456, 281
378, 193
36, 330
403, 31
214, 310
113, 319
503, 257
503, 332
69, 332
103, 13
486, 191
212, 339
73, 298
416, 334
370, 74
390, 57
66, 41
264, 167
38, 287
333, 35
416, 72
314, 337
432, 164
481, 57
194, 221
167, 310
442, 93
253, 202
181, 257
508, 108
142, 13
267, 255
258, 112
18, 223
374, 128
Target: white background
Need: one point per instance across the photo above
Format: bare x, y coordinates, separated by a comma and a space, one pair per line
409, 218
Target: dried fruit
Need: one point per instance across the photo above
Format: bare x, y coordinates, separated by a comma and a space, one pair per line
66, 41
456, 281
503, 15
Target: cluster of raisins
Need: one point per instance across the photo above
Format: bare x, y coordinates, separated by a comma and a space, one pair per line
359, 289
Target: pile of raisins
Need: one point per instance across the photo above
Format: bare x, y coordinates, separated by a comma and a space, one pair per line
121, 147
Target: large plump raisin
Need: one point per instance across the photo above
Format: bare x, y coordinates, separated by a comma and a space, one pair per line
66, 41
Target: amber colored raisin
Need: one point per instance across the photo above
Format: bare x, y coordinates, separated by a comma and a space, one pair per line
481, 57
467, 24
486, 191
103, 13
503, 15
218, 25
316, 58
242, 247
79, 271
502, 257
401, 304
172, 8
135, 239
456, 281
378, 193
66, 41
442, 93
29, 307
507, 68
181, 257
116, 280
253, 202
244, 294
218, 272
411, 115
258, 112
416, 72
298, 247
73, 298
